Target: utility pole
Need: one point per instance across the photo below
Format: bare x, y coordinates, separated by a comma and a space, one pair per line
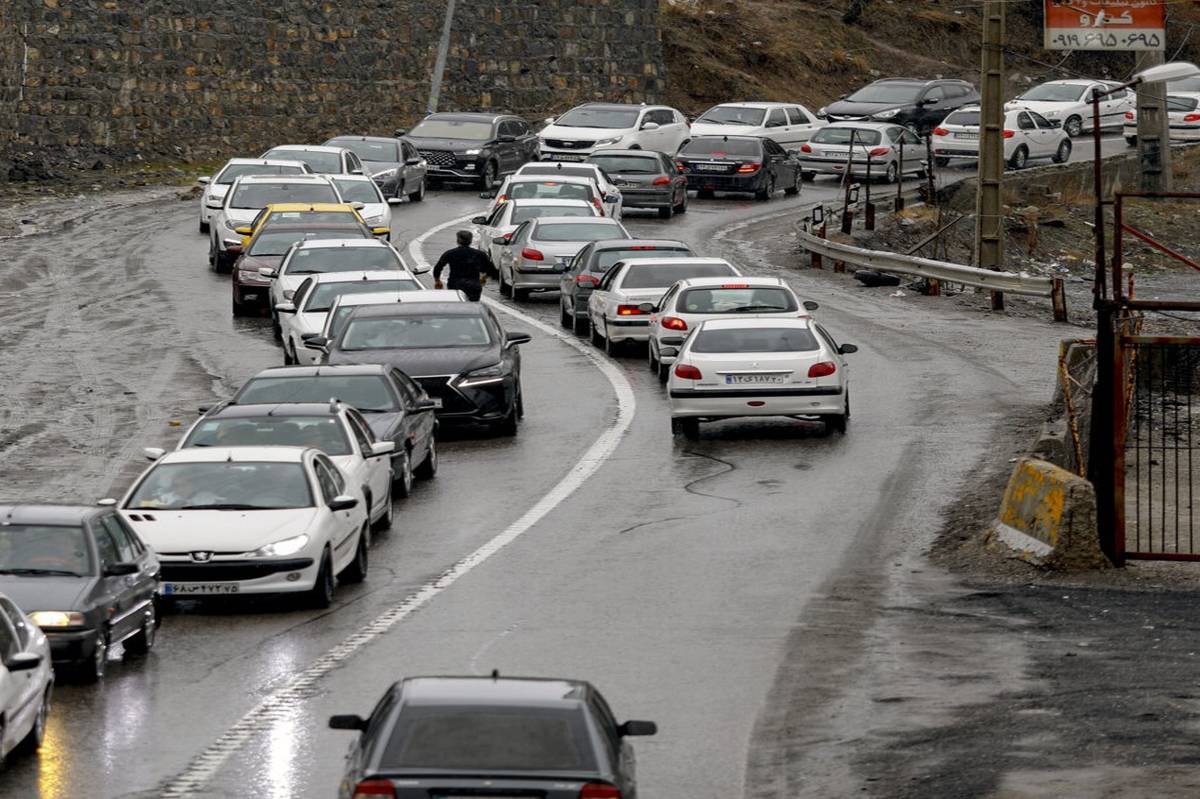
989, 213
439, 66
1153, 132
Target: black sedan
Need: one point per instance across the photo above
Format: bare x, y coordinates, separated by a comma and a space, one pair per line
745, 164
646, 179
456, 351
394, 164
591, 264
84, 577
475, 148
491, 736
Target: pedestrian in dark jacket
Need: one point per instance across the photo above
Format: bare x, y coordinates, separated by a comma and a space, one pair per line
469, 268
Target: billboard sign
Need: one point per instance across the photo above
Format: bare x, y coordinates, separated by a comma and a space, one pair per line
1105, 25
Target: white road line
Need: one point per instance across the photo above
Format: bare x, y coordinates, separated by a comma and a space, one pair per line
280, 703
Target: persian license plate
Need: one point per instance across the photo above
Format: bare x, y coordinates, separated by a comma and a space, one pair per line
250, 296
624, 185
187, 589
966, 135
711, 167
562, 157
754, 380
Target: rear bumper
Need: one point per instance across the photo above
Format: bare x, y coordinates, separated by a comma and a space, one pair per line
542, 281
734, 182
659, 198
821, 167
625, 329
724, 403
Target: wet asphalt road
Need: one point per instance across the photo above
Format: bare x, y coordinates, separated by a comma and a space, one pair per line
676, 577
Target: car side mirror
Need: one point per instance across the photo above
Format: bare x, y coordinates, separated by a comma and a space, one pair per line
356, 171
244, 230
381, 231
507, 139
671, 341
549, 120
380, 448
316, 343
669, 352
343, 502
848, 349
514, 338
120, 569
204, 181
649, 126
500, 241
23, 661
107, 502
394, 200
285, 307
631, 728
479, 220
487, 195
809, 305
153, 453
348, 722
426, 405
398, 132
412, 161
267, 271
357, 206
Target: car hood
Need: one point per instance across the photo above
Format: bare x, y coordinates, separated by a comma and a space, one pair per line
582, 134
382, 424
855, 109
175, 531
252, 263
1043, 107
375, 167
47, 592
717, 129
424, 362
241, 216
458, 145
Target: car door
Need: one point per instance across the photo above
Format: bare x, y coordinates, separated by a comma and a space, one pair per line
111, 590
620, 753
27, 686
353, 165
15, 686
1027, 134
785, 175
914, 150
511, 252
343, 523
419, 424
1113, 108
931, 108
146, 581
490, 229
1047, 135
775, 127
800, 126
508, 149
378, 470
131, 601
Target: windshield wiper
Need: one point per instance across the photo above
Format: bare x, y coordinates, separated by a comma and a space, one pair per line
746, 308
60, 572
222, 506
372, 410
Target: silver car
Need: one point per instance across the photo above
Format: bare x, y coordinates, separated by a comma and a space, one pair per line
541, 249
217, 186
249, 195
394, 164
321, 159
881, 151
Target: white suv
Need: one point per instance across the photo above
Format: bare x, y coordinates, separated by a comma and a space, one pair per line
596, 126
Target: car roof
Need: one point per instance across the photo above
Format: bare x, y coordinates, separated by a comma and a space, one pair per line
734, 324
548, 202
236, 455
1077, 82
305, 178
389, 296
520, 691
308, 148
618, 106
554, 166
330, 370
450, 308
920, 81
615, 151
880, 126
264, 162
757, 104
625, 244
313, 207
360, 178
702, 282
38, 513
365, 276
256, 410
682, 260
724, 137
329, 244
388, 139
467, 116
539, 221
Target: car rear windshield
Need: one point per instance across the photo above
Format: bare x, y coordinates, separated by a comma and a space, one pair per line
1184, 85
414, 332
719, 148
323, 432
573, 171
528, 212
832, 135
370, 150
605, 259
322, 163
367, 393
224, 485
239, 170
1055, 93
968, 119
734, 299
311, 218
452, 129
321, 260
577, 231
321, 298
628, 164
277, 242
733, 115
260, 195
656, 276
549, 190
894, 93
755, 339
358, 191
1182, 103
586, 117
44, 549
490, 739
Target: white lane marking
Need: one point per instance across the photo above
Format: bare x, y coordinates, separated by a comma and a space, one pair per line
282, 702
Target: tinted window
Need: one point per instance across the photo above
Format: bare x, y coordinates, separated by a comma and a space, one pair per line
593, 117
549, 190
223, 485
260, 195
321, 260
832, 135
329, 489
733, 115
415, 332
361, 435
627, 164
322, 432
369, 150
277, 241
106, 547
663, 275
42, 546
755, 339
365, 392
892, 93
452, 129
528, 212
936, 93
17, 620
776, 119
358, 191
968, 119
760, 299
798, 116
577, 231
1024, 121
606, 259
126, 551
662, 116
319, 162
238, 170
1182, 103
717, 148
325, 293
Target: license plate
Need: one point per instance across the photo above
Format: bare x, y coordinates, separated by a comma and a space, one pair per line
754, 380
627, 185
250, 296
437, 401
966, 135
184, 589
562, 157
711, 167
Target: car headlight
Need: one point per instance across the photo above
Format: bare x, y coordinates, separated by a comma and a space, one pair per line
606, 142
373, 221
484, 376
251, 276
386, 173
476, 151
888, 114
57, 618
288, 546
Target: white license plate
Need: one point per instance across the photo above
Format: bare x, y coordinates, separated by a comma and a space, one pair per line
627, 185
711, 167
562, 157
966, 135
185, 589
754, 380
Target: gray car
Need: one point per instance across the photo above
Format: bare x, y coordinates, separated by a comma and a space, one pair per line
646, 179
593, 261
394, 164
541, 249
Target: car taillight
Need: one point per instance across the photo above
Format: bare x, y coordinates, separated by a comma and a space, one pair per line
879, 151
822, 369
687, 372
1008, 134
641, 247
940, 132
806, 148
599, 207
374, 788
1129, 115
530, 254
735, 285
674, 323
1192, 118
596, 790
663, 181
747, 169
681, 166
508, 236
501, 198
587, 280
630, 310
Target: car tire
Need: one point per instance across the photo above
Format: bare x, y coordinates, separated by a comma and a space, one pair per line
666, 212
203, 227
664, 372
688, 427
402, 477
418, 195
597, 340
488, 176
37, 733
505, 288
767, 191
92, 670
142, 641
892, 174
320, 596
356, 572
238, 309
385, 521
1019, 158
836, 424
429, 467
682, 207
651, 361
581, 324
520, 295
610, 347
808, 176
565, 318
1063, 154
941, 162
794, 189
1073, 126
289, 354
507, 426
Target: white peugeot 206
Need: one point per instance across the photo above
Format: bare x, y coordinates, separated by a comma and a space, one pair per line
729, 368
250, 520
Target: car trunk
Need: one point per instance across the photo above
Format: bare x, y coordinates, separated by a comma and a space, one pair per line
733, 371
487, 788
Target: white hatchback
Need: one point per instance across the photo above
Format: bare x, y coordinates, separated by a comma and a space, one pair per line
250, 520
595, 126
612, 198
1027, 136
217, 186
26, 680
1183, 116
555, 187
375, 210
730, 368
786, 124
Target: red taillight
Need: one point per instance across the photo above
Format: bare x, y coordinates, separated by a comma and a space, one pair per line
630, 310
879, 151
822, 369
596, 790
674, 323
599, 207
747, 169
1008, 134
682, 167
1129, 115
663, 181
587, 280
806, 148
374, 788
508, 236
502, 198
735, 285
530, 254
1192, 118
940, 132
643, 247
687, 372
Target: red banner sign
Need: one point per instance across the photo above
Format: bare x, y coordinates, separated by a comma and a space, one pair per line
1105, 25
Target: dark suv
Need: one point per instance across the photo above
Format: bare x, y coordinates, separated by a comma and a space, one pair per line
916, 104
473, 147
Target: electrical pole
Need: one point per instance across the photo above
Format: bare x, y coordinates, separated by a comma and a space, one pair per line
1153, 132
989, 212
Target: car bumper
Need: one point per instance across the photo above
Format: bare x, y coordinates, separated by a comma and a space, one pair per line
456, 171
551, 154
71, 647
730, 182
659, 198
539, 280
486, 402
625, 329
254, 295
725, 403
830, 167
184, 579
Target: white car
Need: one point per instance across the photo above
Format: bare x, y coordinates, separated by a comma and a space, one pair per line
250, 520
1027, 135
304, 315
345, 304
693, 300
375, 211
611, 196
729, 368
250, 194
787, 124
595, 126
566, 187
541, 249
1183, 116
1069, 103
26, 681
217, 186
619, 308
322, 159
506, 217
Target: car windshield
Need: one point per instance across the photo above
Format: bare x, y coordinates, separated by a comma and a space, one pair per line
528, 212
549, 190
365, 392
1055, 93
719, 148
452, 129
47, 549
277, 242
736, 299
660, 276
260, 195
414, 332
238, 170
486, 739
358, 191
755, 339
319, 161
577, 231
968, 119
320, 260
592, 117
1184, 85
1181, 103
321, 298
733, 115
323, 432
223, 485
628, 164
892, 93
370, 150
607, 258
842, 136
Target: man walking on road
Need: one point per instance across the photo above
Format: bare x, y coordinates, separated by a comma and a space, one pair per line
469, 268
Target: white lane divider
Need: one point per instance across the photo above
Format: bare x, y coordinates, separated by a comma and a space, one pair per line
283, 702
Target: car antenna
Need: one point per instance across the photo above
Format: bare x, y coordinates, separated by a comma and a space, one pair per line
495, 674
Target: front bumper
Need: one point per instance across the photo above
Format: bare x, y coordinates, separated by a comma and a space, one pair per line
487, 402
727, 403
644, 198
70, 647
185, 579
552, 154
249, 294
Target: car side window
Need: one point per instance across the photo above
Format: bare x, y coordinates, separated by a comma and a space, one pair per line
1024, 121
353, 161
773, 148
500, 211
139, 547
662, 116
910, 137
413, 393
362, 435
776, 119
1041, 121
668, 298
608, 726
666, 165
125, 549
519, 128
9, 643
1118, 95
895, 134
522, 232
830, 340
24, 635
106, 547
797, 116
298, 297
610, 276
325, 478
936, 93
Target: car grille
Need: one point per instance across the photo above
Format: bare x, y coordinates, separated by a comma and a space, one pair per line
568, 144
222, 571
438, 157
844, 118
440, 388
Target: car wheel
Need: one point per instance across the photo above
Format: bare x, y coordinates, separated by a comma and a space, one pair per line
808, 176
836, 424
1019, 157
767, 191
356, 572
941, 162
37, 733
92, 670
610, 347
505, 288
402, 476
520, 295
320, 596
565, 318
1073, 126
597, 340
797, 184
682, 207
429, 467
664, 372
520, 402
508, 425
666, 212
238, 310
580, 324
892, 174
203, 227
688, 427
419, 194
289, 354
1064, 152
212, 254
385, 521
143, 641
651, 361
489, 175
